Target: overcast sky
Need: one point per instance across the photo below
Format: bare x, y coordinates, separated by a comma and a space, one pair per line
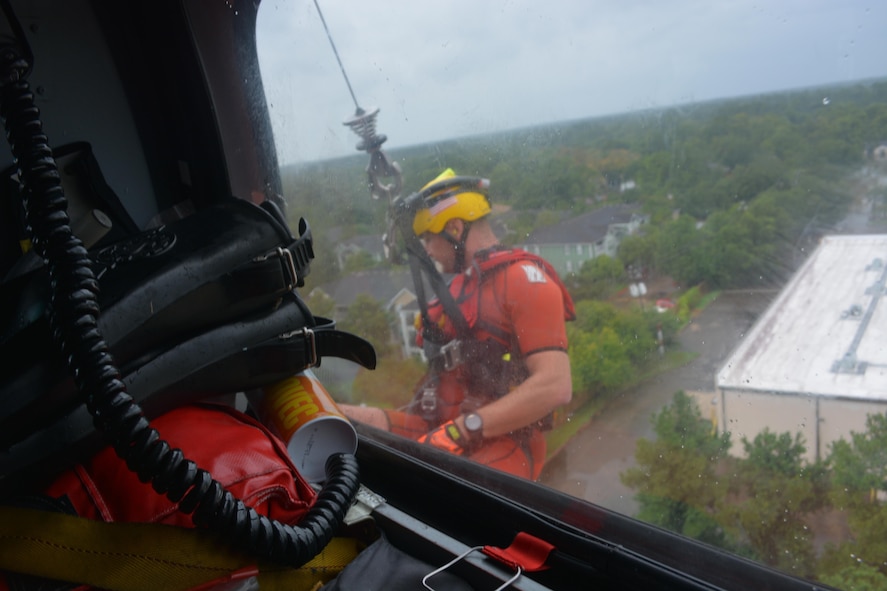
451, 68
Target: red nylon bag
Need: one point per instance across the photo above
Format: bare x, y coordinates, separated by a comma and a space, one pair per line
235, 449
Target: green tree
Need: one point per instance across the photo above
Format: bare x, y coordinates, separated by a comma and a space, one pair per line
778, 492
391, 385
676, 478
680, 251
634, 330
593, 315
598, 278
320, 304
860, 577
638, 251
859, 483
653, 169
366, 318
598, 362
360, 261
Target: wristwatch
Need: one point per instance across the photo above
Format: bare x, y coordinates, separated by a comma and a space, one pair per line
474, 425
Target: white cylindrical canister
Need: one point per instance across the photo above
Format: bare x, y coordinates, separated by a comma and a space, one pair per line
302, 413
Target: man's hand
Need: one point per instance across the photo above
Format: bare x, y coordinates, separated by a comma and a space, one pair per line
369, 415
447, 437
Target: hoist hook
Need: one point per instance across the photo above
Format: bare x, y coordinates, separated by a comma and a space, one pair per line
363, 123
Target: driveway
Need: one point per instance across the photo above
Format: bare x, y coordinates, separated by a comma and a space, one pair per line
589, 465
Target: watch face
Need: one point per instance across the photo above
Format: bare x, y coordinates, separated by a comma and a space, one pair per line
473, 422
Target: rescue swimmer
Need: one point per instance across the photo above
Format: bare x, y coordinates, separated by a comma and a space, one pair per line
491, 393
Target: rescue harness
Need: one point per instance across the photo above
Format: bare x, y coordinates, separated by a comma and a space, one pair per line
463, 334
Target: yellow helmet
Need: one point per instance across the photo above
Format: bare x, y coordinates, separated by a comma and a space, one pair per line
450, 197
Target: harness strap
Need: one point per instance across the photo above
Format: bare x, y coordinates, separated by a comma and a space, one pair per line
234, 357
284, 267
144, 556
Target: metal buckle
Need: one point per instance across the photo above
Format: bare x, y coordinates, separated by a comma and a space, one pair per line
428, 402
460, 557
289, 265
309, 339
452, 354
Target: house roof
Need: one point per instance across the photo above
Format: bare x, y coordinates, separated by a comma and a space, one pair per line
588, 228
825, 334
382, 285
372, 244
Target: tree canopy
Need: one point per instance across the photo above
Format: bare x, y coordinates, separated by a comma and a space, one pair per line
735, 189
763, 505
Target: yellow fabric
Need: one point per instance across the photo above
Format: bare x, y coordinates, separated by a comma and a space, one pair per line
447, 174
142, 556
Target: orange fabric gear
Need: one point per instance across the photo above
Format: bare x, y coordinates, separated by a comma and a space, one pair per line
516, 299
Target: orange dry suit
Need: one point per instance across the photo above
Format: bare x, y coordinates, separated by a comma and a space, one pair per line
514, 305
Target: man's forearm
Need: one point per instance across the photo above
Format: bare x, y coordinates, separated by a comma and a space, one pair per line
548, 387
369, 415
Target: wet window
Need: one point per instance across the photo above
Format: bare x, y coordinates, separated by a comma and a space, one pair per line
725, 164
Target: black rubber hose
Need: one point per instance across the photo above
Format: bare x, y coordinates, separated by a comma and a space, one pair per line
74, 312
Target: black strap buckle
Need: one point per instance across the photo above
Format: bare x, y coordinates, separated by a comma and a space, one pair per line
310, 344
295, 258
288, 264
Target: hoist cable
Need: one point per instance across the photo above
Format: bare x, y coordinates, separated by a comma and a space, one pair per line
341, 67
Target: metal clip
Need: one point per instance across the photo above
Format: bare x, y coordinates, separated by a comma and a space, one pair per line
452, 355
460, 557
380, 167
309, 340
289, 265
428, 402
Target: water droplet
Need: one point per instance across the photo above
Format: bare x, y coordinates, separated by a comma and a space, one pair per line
825, 100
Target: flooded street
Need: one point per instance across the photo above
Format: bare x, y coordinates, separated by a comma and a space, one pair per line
588, 467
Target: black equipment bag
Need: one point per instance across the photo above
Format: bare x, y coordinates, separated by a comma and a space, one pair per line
200, 307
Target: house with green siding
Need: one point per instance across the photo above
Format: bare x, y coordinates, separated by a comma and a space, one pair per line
569, 244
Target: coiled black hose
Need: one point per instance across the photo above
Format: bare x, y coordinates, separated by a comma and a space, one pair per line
74, 311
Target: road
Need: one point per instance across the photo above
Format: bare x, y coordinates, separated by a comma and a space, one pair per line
588, 467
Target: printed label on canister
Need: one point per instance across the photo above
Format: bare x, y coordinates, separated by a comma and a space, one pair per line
302, 413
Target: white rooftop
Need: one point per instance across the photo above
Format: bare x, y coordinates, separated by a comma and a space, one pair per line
826, 332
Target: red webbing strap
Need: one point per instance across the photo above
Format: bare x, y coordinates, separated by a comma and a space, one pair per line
526, 552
